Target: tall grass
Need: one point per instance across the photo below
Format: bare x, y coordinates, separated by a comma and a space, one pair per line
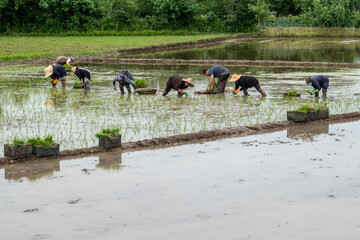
309, 32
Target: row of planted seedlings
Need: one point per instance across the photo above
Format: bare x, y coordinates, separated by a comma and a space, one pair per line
75, 122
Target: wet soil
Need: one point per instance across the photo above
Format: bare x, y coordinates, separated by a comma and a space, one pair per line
279, 185
192, 138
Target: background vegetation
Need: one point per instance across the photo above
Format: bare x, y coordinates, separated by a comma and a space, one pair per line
126, 16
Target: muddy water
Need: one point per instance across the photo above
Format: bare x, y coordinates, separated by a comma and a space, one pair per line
301, 183
30, 108
286, 49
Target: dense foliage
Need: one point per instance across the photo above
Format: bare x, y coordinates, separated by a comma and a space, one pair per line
56, 16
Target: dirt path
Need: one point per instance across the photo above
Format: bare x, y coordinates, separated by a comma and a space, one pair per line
210, 135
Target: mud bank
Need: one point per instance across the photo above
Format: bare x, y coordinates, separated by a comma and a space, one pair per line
191, 138
240, 63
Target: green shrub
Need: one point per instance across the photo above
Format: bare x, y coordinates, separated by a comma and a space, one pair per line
141, 83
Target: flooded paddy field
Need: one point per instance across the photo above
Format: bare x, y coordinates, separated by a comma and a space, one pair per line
300, 183
30, 107
341, 50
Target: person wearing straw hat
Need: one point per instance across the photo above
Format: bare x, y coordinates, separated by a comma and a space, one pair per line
62, 60
221, 73
318, 82
177, 83
245, 82
84, 76
56, 72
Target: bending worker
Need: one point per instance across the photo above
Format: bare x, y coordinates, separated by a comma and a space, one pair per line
56, 72
178, 83
246, 82
318, 82
125, 79
221, 73
62, 60
84, 76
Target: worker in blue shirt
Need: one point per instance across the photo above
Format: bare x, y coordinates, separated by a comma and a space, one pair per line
318, 82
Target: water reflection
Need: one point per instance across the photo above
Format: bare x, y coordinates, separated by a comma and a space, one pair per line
307, 132
110, 161
286, 49
35, 170
32, 171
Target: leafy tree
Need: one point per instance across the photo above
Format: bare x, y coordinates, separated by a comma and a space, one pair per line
173, 14
261, 10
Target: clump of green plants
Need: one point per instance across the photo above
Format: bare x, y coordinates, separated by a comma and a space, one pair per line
108, 133
213, 89
38, 142
77, 85
305, 108
321, 107
292, 92
17, 142
141, 83
68, 67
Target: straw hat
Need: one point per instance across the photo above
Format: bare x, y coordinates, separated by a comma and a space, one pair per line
73, 70
234, 77
189, 81
48, 71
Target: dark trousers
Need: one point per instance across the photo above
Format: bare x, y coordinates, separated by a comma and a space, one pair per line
222, 81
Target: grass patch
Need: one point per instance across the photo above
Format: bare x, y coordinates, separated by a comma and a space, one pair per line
309, 32
22, 48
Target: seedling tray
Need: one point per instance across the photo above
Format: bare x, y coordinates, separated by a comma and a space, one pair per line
40, 151
324, 113
147, 91
312, 115
17, 152
297, 116
291, 95
110, 143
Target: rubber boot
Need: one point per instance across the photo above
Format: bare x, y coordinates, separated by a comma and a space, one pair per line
262, 92
128, 89
245, 92
324, 92
122, 90
316, 94
86, 84
63, 83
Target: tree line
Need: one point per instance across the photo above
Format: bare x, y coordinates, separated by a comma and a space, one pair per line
56, 16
